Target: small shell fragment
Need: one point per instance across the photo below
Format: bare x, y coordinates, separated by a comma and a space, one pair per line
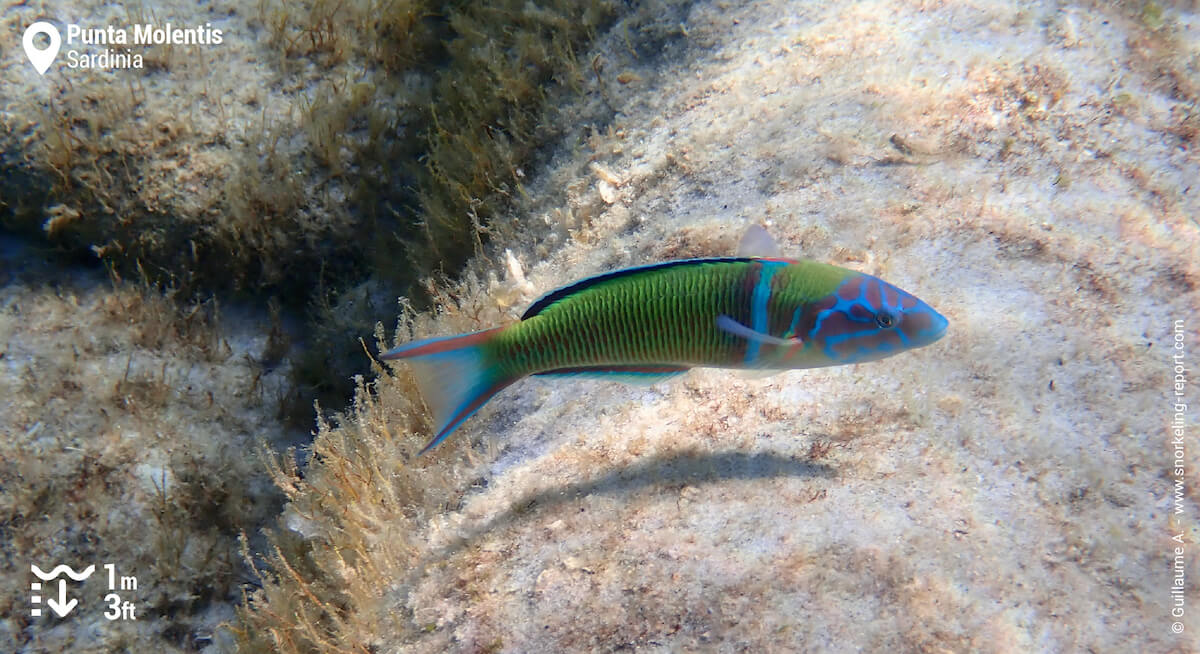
605, 173
607, 192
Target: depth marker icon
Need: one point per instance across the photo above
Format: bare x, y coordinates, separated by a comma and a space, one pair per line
61, 606
36, 599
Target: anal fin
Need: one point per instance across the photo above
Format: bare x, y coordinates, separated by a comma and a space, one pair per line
630, 374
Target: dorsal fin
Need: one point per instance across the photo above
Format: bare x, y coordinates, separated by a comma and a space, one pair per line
756, 242
587, 282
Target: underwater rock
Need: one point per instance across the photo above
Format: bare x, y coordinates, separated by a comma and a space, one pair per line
1024, 169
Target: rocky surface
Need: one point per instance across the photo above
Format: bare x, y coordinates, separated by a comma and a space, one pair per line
1027, 170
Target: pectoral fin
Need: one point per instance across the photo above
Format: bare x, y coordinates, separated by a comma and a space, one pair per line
727, 324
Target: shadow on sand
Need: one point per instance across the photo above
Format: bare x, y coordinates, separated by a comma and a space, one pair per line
675, 469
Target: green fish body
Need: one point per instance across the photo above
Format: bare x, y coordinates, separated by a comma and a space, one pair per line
655, 321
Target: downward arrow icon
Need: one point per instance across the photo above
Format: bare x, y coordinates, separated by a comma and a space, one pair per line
61, 606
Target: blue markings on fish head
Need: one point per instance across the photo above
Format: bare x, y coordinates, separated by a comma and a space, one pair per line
867, 318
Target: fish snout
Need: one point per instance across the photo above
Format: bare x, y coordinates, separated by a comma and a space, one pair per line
923, 325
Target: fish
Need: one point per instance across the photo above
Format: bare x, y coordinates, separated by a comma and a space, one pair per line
755, 311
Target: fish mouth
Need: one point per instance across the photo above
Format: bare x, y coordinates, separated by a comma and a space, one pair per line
938, 326
929, 327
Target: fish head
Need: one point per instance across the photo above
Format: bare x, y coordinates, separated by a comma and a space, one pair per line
866, 319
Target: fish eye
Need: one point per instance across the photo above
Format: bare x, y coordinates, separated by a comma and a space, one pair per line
885, 320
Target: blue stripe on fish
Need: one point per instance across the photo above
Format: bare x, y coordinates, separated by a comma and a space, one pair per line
758, 306
791, 330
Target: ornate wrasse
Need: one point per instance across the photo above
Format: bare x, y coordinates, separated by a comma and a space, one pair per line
655, 321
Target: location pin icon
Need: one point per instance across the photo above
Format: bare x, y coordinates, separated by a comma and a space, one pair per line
41, 59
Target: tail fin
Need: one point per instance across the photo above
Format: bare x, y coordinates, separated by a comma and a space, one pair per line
456, 376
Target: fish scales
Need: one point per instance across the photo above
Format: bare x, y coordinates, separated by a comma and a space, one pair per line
654, 316
661, 316
662, 319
